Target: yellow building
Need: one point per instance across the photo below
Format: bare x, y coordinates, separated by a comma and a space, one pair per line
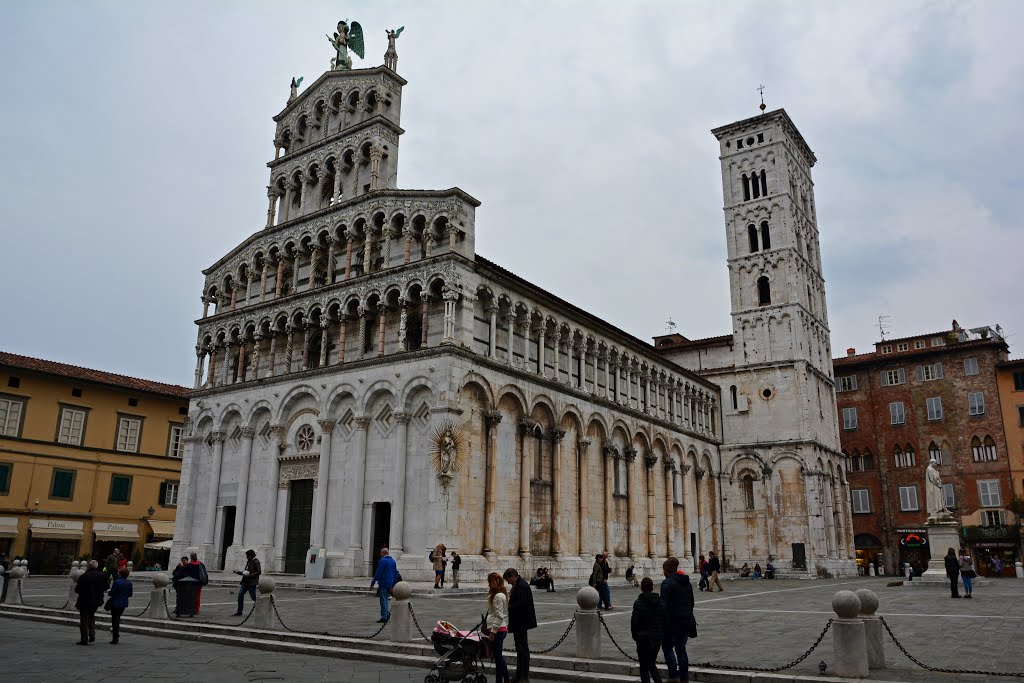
89, 460
1010, 379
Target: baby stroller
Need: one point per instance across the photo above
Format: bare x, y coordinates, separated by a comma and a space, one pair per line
462, 654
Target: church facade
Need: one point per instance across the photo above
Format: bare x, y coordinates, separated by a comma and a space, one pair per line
364, 379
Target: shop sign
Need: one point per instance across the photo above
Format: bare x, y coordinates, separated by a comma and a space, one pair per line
995, 544
114, 526
55, 524
913, 540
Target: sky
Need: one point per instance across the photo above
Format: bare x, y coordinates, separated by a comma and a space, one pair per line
135, 138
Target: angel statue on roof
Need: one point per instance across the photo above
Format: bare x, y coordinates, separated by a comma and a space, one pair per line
344, 38
391, 56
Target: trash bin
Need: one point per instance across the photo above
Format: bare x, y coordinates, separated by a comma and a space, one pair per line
185, 603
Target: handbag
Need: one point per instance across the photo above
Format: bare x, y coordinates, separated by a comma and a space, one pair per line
692, 633
108, 603
973, 574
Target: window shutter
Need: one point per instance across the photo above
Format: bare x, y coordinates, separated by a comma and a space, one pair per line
853, 381
902, 375
885, 379
938, 370
919, 371
163, 493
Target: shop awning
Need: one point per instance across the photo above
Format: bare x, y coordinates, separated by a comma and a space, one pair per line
159, 545
8, 531
116, 535
162, 529
57, 534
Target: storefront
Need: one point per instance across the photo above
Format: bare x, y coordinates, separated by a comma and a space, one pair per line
914, 550
53, 545
110, 535
870, 553
8, 532
985, 552
158, 546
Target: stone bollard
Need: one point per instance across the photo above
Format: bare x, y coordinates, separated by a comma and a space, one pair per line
14, 595
848, 645
871, 570
400, 623
158, 598
872, 628
1019, 568
131, 567
76, 572
264, 616
588, 624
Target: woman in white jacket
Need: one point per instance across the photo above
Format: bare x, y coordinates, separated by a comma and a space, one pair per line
496, 623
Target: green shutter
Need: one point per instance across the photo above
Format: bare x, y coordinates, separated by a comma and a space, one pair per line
163, 493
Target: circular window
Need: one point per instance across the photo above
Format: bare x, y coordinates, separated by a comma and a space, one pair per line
305, 437
750, 141
767, 393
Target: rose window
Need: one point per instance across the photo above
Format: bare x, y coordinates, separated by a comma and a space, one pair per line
305, 438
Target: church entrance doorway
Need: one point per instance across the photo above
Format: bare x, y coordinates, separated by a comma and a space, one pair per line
799, 556
381, 531
227, 535
300, 519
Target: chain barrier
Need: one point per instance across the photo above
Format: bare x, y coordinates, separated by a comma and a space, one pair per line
776, 669
416, 623
170, 616
942, 670
559, 641
273, 604
144, 608
612, 638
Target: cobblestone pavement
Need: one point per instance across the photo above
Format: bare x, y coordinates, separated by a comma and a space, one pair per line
753, 623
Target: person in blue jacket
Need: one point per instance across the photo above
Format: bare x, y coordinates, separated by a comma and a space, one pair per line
384, 577
119, 593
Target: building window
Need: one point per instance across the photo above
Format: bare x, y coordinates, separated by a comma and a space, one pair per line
934, 405
976, 403
869, 460
849, 419
11, 411
904, 457
72, 426
861, 501
169, 494
928, 373
902, 346
970, 366
752, 238
938, 341
949, 496
176, 441
993, 518
128, 431
734, 397
919, 344
766, 240
6, 469
988, 493
908, 499
983, 451
943, 456
887, 348
1018, 380
764, 291
848, 383
897, 413
120, 488
1020, 415
62, 486
893, 377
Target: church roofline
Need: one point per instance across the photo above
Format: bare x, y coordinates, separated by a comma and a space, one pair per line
794, 132
374, 194
595, 321
304, 95
375, 120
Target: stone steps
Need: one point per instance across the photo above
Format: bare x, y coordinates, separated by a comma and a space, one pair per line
417, 653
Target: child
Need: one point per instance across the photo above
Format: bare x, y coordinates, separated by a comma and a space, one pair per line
648, 628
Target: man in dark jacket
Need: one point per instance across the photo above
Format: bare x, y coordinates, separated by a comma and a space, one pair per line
521, 618
677, 594
91, 588
953, 572
647, 626
714, 567
250, 579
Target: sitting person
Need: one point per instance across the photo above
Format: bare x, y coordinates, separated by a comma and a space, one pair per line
757, 571
769, 570
745, 570
631, 576
543, 581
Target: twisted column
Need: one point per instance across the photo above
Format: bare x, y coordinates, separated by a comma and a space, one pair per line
342, 330
325, 325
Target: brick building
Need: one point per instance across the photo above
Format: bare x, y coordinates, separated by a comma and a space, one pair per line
910, 400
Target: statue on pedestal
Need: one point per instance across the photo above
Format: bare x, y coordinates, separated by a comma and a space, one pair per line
296, 82
391, 56
935, 499
345, 38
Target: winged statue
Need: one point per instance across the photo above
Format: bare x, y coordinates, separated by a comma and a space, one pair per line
346, 38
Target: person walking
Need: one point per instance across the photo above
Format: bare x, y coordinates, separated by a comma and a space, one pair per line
521, 618
600, 583
91, 587
456, 563
677, 594
714, 566
647, 626
112, 564
953, 572
997, 567
250, 579
5, 566
967, 571
496, 623
437, 560
702, 566
197, 570
119, 593
384, 577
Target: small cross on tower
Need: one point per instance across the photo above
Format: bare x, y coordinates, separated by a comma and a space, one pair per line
763, 106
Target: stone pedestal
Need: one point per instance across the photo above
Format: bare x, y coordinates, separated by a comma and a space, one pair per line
400, 623
849, 646
588, 624
263, 617
14, 592
872, 628
157, 608
1019, 568
943, 534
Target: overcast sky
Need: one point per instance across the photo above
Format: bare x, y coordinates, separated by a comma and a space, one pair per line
135, 137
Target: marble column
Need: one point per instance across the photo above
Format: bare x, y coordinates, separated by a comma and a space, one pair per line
227, 364
272, 197
264, 276
540, 350
272, 367
337, 183
289, 349
398, 517
348, 258
403, 325
557, 521
214, 490
511, 339
424, 317
342, 333
367, 251
650, 460
234, 295
273, 476
610, 463
325, 328
556, 346
382, 316
358, 470
206, 305
319, 524
281, 523
670, 510
525, 475
407, 234
200, 355
450, 298
240, 370
388, 234
296, 261
362, 333
633, 538
279, 280
305, 346
255, 367
243, 485
583, 486
211, 371
492, 346
492, 418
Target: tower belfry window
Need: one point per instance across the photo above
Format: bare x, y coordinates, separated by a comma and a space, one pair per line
764, 183
755, 182
766, 241
746, 188
764, 292
752, 236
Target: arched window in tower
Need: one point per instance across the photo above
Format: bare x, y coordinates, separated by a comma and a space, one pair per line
735, 398
764, 183
752, 237
747, 489
746, 188
755, 185
764, 291
869, 460
766, 240
856, 462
